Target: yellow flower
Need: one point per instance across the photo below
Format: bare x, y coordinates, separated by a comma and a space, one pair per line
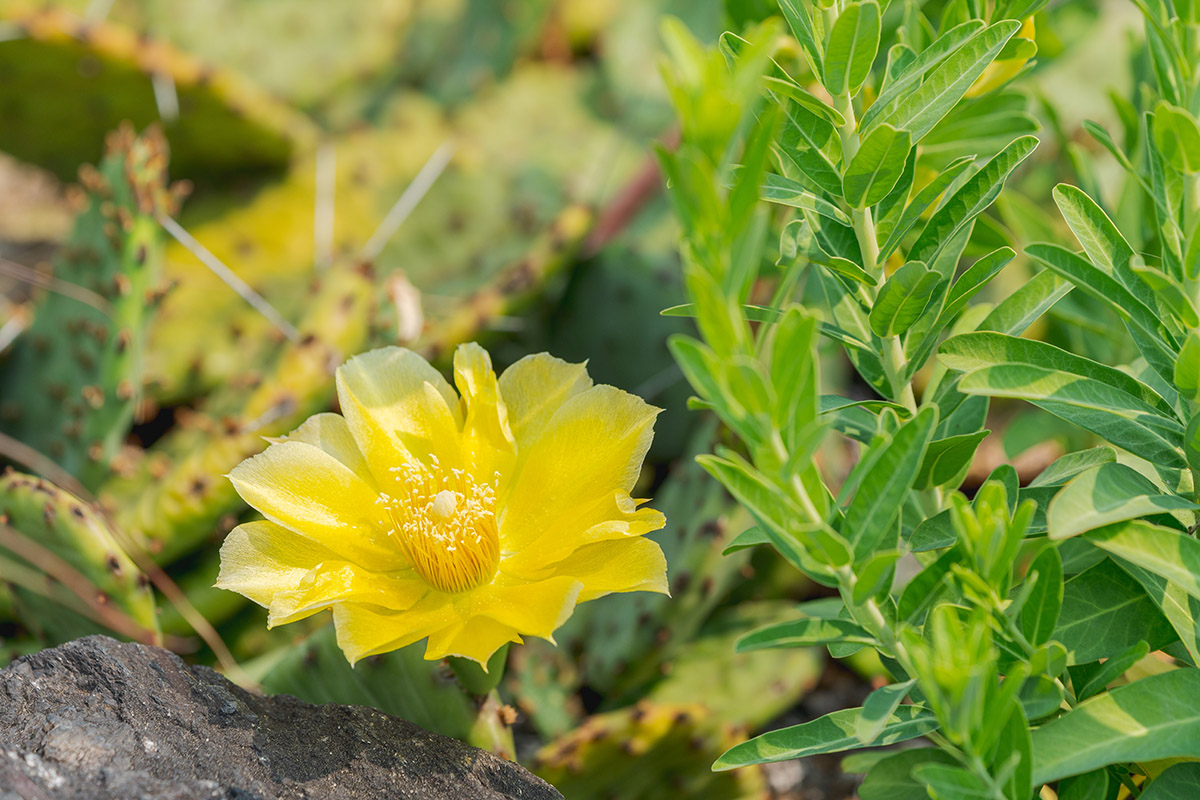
469, 520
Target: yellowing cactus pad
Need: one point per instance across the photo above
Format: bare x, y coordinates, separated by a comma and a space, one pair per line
471, 517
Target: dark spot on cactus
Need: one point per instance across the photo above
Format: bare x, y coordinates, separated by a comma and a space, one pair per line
457, 221
710, 528
41, 344
706, 588
309, 340
57, 449
93, 394
244, 248
123, 340
108, 209
73, 430
663, 635
102, 598
10, 411
681, 581
124, 391
121, 284
113, 565
143, 582
95, 451
696, 743
125, 219
49, 513
747, 572
198, 486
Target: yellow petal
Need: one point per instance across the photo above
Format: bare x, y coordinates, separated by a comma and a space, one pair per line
340, 581
398, 407
614, 517
261, 559
366, 630
331, 433
486, 434
305, 489
587, 458
478, 639
636, 565
535, 609
534, 388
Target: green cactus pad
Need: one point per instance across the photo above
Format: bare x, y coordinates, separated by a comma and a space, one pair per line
65, 81
73, 378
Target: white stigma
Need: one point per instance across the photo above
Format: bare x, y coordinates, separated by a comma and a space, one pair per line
444, 504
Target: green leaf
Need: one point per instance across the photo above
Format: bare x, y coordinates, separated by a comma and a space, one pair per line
787, 192
1178, 782
832, 733
852, 47
910, 77
946, 84
971, 200
1012, 751
1039, 616
752, 313
1104, 613
1187, 367
874, 578
1026, 305
1110, 413
1177, 137
1106, 494
876, 167
902, 299
878, 708
1167, 553
891, 777
804, 632
806, 30
1155, 344
1088, 786
974, 279
1168, 292
971, 351
882, 479
1063, 469
750, 537
1181, 610
946, 782
926, 197
1153, 718
811, 143
946, 460
1112, 668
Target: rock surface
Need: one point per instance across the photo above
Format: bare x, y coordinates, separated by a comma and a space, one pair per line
96, 719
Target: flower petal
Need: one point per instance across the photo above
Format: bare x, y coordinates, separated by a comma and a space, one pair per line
305, 489
261, 559
340, 581
398, 407
581, 467
486, 434
331, 433
366, 630
636, 565
535, 609
478, 639
534, 388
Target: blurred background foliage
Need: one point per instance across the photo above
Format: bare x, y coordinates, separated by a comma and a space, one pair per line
132, 377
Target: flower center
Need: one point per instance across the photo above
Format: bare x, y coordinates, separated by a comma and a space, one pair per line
445, 524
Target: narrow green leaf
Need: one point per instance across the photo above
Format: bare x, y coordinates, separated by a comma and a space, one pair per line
1167, 553
946, 782
1111, 669
927, 196
1012, 755
1153, 718
750, 537
1026, 305
947, 460
902, 299
876, 167
971, 351
910, 76
971, 200
807, 31
883, 478
1168, 292
1110, 413
1187, 367
832, 733
874, 577
878, 708
811, 143
1063, 469
974, 279
1106, 494
852, 47
889, 210
946, 84
1179, 608
805, 632
752, 313
1088, 786
787, 192
1039, 616
891, 777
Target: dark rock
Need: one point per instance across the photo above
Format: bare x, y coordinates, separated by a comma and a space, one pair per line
96, 719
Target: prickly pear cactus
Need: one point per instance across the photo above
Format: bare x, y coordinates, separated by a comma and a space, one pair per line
643, 752
71, 384
66, 570
66, 81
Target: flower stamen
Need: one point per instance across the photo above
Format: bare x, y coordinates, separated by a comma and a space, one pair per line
444, 522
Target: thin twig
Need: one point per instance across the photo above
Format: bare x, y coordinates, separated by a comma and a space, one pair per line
323, 207
74, 291
408, 201
229, 277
